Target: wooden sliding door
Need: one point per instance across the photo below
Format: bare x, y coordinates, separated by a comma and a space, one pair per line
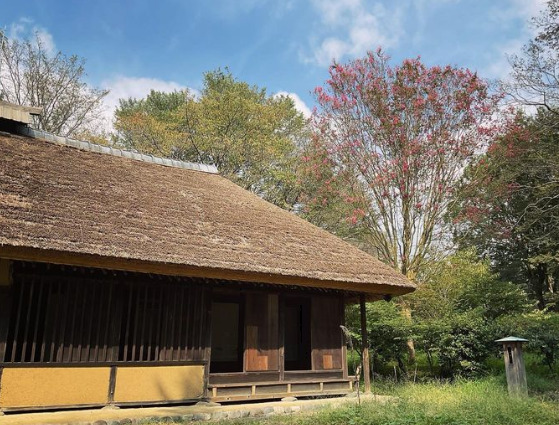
262, 331
326, 335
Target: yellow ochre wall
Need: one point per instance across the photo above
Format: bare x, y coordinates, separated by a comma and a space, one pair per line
159, 383
36, 387
53, 386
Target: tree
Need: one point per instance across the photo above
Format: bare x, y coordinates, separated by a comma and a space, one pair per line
150, 125
459, 309
508, 206
389, 144
30, 75
251, 137
542, 330
535, 72
462, 283
388, 333
456, 308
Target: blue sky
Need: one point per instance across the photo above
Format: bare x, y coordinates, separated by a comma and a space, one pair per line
283, 45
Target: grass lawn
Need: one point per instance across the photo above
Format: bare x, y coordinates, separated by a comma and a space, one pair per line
484, 401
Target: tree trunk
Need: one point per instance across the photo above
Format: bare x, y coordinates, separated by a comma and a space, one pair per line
406, 312
411, 345
538, 283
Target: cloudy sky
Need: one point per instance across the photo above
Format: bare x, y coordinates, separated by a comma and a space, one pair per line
283, 45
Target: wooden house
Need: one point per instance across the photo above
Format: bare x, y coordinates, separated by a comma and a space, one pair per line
132, 280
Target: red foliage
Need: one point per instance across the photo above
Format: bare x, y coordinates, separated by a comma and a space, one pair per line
404, 134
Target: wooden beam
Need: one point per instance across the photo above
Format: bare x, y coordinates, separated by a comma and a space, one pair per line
365, 344
373, 290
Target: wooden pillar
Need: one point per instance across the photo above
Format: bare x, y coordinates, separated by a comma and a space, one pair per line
5, 305
365, 344
281, 338
112, 385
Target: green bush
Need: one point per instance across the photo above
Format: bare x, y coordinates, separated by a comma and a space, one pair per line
540, 328
388, 333
458, 342
458, 311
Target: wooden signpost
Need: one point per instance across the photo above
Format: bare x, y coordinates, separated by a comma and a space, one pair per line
514, 365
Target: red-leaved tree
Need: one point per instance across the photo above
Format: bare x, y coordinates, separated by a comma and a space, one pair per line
389, 145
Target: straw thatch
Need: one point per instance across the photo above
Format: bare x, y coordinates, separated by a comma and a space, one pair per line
60, 199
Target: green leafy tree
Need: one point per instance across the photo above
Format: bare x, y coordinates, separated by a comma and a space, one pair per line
541, 328
462, 283
455, 309
250, 136
509, 206
458, 309
388, 334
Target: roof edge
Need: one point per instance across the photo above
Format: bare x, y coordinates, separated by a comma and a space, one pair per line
24, 253
106, 150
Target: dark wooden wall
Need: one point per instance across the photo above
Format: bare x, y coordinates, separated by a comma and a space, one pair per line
263, 337
5, 309
66, 315
262, 332
59, 314
326, 334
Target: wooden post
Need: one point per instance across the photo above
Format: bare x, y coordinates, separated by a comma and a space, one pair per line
112, 386
514, 366
365, 345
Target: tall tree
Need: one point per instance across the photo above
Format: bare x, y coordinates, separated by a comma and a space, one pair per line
250, 136
509, 206
388, 147
509, 200
535, 71
31, 75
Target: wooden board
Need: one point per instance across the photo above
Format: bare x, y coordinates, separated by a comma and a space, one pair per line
326, 335
262, 331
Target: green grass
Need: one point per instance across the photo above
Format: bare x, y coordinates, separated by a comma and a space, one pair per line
483, 401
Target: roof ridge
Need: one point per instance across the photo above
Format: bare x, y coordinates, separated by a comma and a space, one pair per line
107, 150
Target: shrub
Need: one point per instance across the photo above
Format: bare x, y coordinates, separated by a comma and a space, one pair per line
540, 328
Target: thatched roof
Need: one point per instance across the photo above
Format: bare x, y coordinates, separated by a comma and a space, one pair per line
62, 204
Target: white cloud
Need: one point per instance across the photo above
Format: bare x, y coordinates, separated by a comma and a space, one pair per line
300, 105
227, 9
25, 29
351, 27
498, 65
527, 9
122, 87
45, 38
509, 15
329, 50
332, 11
